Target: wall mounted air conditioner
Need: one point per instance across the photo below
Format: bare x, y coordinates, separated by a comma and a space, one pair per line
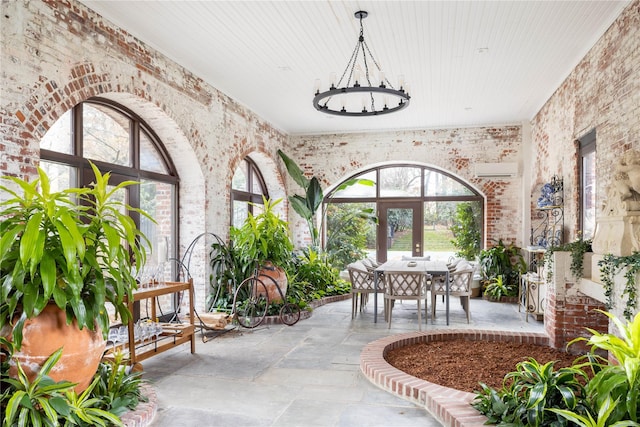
496, 170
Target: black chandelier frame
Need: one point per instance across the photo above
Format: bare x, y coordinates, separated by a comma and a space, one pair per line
385, 87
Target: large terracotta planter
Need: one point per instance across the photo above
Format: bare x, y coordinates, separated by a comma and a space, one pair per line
278, 275
43, 335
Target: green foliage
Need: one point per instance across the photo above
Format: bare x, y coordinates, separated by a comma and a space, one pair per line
619, 382
496, 288
307, 206
228, 270
505, 261
85, 410
49, 403
607, 397
466, 231
530, 391
44, 402
263, 237
347, 229
602, 419
37, 402
117, 389
80, 255
577, 249
317, 276
611, 265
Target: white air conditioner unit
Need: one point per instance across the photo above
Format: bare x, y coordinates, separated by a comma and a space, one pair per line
496, 170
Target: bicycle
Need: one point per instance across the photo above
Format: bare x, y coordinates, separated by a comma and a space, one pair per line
251, 302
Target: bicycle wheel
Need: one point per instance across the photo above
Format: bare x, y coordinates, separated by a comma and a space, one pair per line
250, 302
290, 314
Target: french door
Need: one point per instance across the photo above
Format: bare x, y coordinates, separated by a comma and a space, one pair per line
400, 230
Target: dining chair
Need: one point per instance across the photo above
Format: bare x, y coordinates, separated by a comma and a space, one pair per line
459, 285
405, 285
362, 284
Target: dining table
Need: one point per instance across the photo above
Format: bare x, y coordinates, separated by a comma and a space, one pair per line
434, 268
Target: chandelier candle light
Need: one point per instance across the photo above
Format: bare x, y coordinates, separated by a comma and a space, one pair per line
374, 100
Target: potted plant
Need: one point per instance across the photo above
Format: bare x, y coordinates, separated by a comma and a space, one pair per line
263, 242
63, 256
505, 261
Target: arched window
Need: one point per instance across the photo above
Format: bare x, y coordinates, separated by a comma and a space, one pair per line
116, 140
417, 208
247, 191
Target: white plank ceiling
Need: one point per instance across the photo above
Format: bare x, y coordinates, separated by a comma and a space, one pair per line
468, 63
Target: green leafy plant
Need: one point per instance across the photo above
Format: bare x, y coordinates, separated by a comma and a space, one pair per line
307, 206
348, 226
85, 409
619, 382
608, 396
530, 391
78, 255
496, 288
610, 265
37, 402
263, 237
117, 389
577, 249
500, 407
602, 419
228, 270
505, 261
44, 402
313, 268
466, 231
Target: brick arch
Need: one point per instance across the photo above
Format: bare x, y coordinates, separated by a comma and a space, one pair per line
50, 99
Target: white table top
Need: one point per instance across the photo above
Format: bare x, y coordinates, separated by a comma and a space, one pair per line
426, 266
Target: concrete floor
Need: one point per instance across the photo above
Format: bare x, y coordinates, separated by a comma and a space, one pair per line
304, 375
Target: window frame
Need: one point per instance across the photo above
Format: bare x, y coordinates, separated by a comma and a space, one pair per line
377, 199
586, 147
247, 195
120, 173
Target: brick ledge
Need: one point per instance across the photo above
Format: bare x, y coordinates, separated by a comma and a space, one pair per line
145, 411
451, 407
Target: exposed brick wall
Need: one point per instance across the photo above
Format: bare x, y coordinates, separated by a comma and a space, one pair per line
58, 53
602, 92
333, 158
569, 318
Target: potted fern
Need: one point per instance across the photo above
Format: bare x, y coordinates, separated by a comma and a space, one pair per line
64, 257
264, 242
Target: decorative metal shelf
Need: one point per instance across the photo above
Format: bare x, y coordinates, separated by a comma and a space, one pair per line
548, 223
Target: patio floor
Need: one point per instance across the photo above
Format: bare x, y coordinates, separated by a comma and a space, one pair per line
307, 374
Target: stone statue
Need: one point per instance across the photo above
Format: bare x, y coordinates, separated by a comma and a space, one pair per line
624, 193
618, 228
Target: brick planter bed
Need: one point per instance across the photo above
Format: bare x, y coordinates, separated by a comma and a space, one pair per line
451, 407
305, 314
145, 411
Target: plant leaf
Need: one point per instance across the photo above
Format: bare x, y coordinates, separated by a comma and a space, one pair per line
294, 171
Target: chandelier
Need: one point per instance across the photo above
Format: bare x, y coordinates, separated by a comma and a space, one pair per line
359, 96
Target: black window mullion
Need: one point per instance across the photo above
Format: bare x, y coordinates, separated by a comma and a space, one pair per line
134, 143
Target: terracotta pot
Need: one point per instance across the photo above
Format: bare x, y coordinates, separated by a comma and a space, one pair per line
43, 335
276, 273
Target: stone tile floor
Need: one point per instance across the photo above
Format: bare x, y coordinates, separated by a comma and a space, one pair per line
304, 375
